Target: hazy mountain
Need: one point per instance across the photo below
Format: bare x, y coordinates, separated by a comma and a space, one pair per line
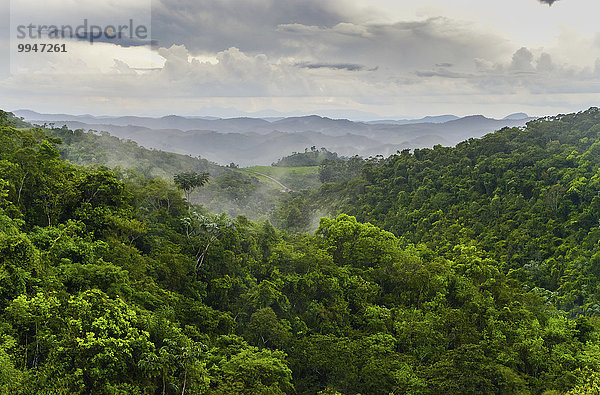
428, 119
517, 116
255, 141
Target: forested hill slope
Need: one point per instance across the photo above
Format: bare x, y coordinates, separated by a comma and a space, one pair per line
228, 189
528, 198
89, 148
122, 287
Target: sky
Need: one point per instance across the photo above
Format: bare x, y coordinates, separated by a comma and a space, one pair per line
358, 59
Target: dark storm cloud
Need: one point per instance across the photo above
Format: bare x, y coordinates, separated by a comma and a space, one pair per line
405, 46
339, 66
549, 2
212, 26
329, 34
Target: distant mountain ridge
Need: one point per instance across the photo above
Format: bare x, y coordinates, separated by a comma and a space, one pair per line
517, 115
256, 141
427, 119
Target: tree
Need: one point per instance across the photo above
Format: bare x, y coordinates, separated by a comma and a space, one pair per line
266, 330
237, 368
188, 181
203, 230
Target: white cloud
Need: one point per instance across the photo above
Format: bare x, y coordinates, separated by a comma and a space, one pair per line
291, 56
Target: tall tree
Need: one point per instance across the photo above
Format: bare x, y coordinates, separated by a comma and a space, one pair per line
190, 180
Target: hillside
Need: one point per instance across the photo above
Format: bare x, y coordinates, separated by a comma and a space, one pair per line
115, 286
89, 148
228, 190
312, 157
295, 178
525, 198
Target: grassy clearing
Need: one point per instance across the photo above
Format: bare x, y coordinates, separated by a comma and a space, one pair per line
295, 178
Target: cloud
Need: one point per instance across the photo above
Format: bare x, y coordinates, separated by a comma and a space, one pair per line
535, 72
521, 61
441, 73
338, 66
545, 63
549, 2
400, 46
211, 26
125, 24
318, 53
321, 32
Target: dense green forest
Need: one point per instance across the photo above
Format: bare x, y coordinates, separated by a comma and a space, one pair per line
312, 157
100, 148
528, 199
462, 270
231, 190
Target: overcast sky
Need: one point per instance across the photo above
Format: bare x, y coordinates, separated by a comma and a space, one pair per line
356, 59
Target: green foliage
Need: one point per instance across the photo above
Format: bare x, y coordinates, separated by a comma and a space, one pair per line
479, 274
188, 181
240, 369
293, 214
296, 178
238, 194
527, 198
340, 170
100, 148
313, 157
9, 119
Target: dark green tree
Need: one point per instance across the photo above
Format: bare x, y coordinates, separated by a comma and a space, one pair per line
190, 180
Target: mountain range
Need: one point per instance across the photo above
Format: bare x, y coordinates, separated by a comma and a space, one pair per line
258, 141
